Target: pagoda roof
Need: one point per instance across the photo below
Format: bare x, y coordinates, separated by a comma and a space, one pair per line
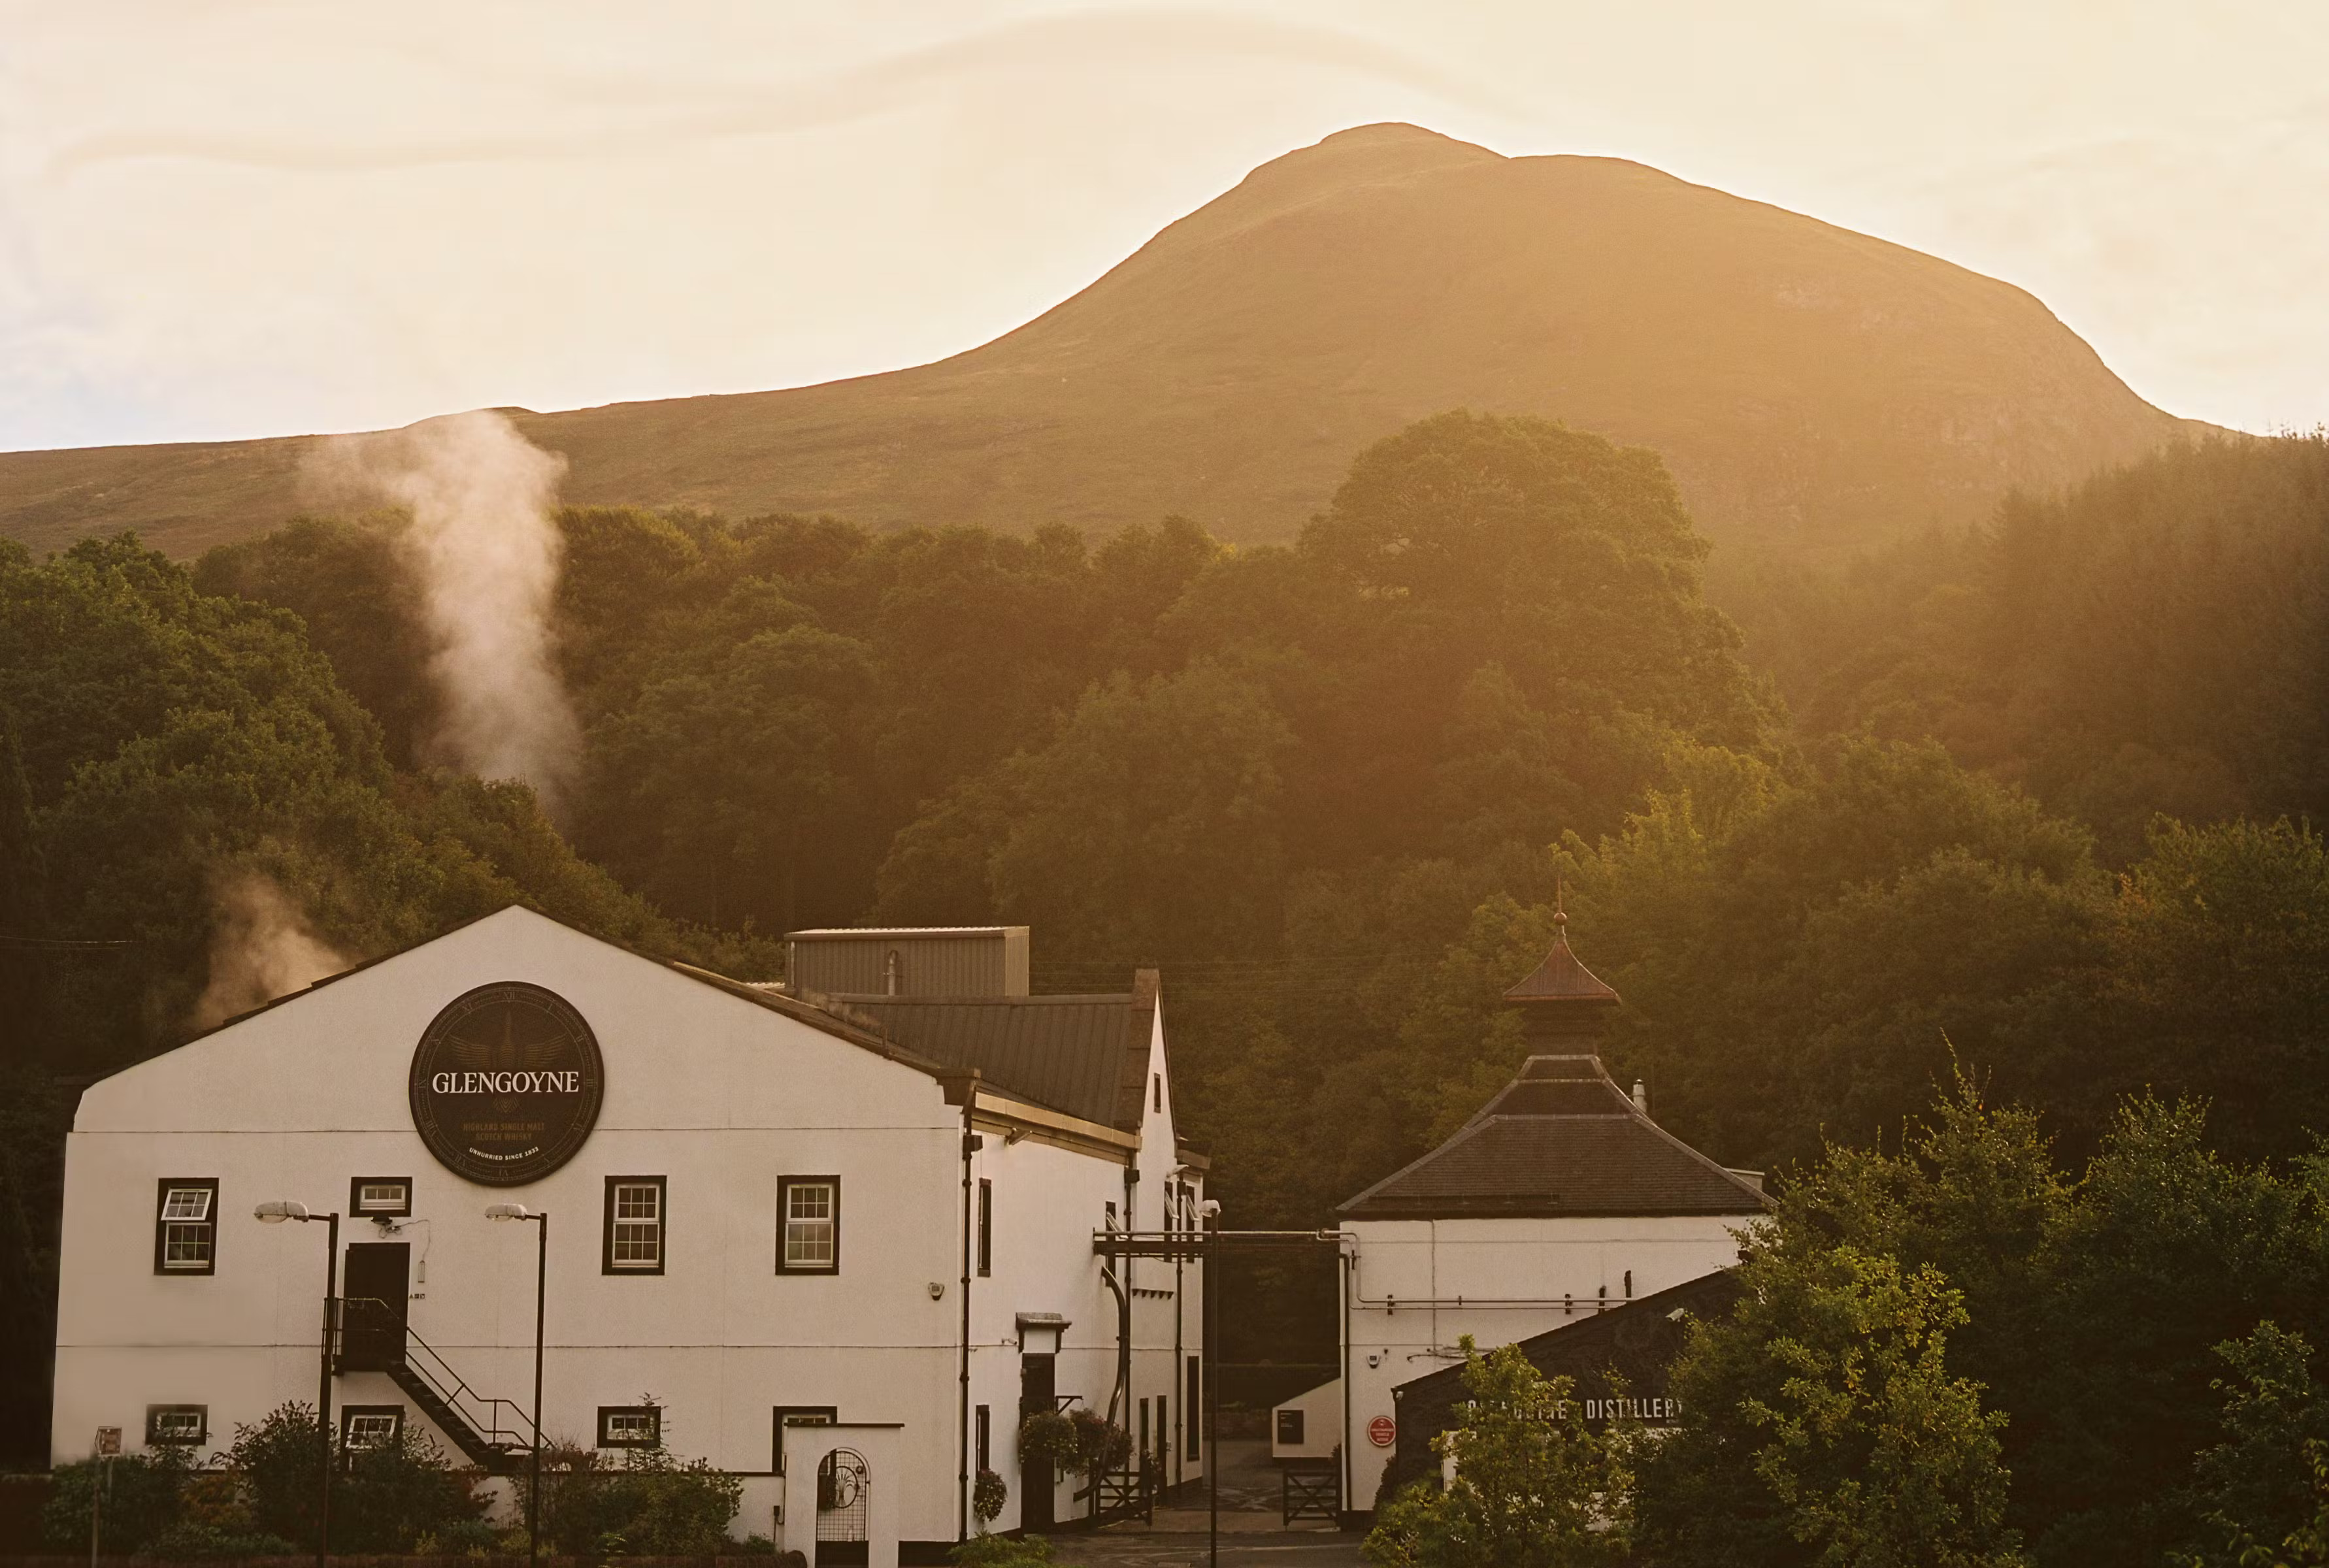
1560, 1140
1561, 976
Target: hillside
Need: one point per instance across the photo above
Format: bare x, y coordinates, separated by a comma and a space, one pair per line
1810, 387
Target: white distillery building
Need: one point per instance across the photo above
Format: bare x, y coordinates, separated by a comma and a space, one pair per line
1561, 1199
875, 1222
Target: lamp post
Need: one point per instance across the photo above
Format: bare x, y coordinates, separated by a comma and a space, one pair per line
274, 1212
502, 1211
1210, 1213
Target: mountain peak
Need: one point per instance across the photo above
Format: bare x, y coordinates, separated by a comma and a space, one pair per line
1811, 390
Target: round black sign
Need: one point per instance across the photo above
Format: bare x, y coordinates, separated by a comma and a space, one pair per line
506, 1084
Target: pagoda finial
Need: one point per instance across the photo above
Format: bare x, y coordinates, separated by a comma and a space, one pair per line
1561, 905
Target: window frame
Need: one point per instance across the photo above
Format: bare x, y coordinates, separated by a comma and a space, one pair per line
982, 1438
607, 1412
986, 1228
349, 1415
784, 1187
162, 1224
827, 1414
607, 1261
359, 1209
154, 1414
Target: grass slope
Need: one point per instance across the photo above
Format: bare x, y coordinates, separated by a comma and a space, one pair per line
1812, 388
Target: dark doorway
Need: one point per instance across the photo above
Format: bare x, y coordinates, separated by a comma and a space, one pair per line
1037, 1386
375, 1287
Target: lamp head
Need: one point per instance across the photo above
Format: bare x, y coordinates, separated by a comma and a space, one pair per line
507, 1211
1210, 1209
275, 1210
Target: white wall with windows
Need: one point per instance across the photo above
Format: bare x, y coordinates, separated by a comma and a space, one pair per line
766, 1223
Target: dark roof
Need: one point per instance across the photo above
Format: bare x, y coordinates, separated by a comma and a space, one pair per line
1636, 1342
1085, 1056
1562, 1138
1560, 978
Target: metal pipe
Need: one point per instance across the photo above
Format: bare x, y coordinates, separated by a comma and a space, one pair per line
1173, 1192
324, 1387
1212, 1398
1345, 1263
962, 1397
534, 1487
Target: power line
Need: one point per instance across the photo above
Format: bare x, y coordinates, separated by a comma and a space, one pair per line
57, 943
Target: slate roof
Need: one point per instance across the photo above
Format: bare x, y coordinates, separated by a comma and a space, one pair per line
1084, 1056
1559, 1140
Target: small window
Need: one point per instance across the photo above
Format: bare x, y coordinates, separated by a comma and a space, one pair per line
984, 1427
985, 1227
185, 1225
172, 1425
631, 1426
371, 1426
809, 1211
800, 1416
1156, 1088
1289, 1429
380, 1197
634, 1239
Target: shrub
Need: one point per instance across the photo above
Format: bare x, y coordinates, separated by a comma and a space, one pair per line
1001, 1552
141, 1500
191, 1540
648, 1504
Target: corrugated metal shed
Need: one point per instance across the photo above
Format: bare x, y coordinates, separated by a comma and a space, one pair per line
945, 960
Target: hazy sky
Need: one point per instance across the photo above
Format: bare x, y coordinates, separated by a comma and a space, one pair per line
223, 219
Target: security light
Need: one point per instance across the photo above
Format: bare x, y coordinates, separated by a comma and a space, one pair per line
275, 1210
507, 1211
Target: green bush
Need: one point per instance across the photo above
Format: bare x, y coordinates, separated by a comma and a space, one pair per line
647, 1504
190, 1540
141, 1500
1001, 1552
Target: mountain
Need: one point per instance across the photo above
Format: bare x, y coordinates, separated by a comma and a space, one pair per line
1812, 388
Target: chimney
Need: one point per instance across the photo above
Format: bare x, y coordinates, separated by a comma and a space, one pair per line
1641, 1096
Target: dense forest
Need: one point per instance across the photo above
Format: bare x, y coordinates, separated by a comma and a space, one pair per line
2028, 804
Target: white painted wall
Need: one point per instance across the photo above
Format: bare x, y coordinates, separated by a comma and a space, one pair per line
1322, 1424
1513, 1278
718, 1094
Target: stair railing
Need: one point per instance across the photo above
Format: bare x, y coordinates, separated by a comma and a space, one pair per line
484, 1416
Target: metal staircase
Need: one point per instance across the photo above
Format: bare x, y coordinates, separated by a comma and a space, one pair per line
494, 1434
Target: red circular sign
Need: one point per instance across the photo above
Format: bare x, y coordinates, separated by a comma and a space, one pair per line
1380, 1432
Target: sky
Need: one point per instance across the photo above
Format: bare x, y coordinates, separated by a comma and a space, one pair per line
222, 219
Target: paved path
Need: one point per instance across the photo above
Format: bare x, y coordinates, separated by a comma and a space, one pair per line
1239, 1549
1250, 1533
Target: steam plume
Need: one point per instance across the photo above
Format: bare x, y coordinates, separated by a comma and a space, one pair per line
260, 949
488, 556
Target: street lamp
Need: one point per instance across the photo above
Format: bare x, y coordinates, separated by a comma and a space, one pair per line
275, 1211
502, 1211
